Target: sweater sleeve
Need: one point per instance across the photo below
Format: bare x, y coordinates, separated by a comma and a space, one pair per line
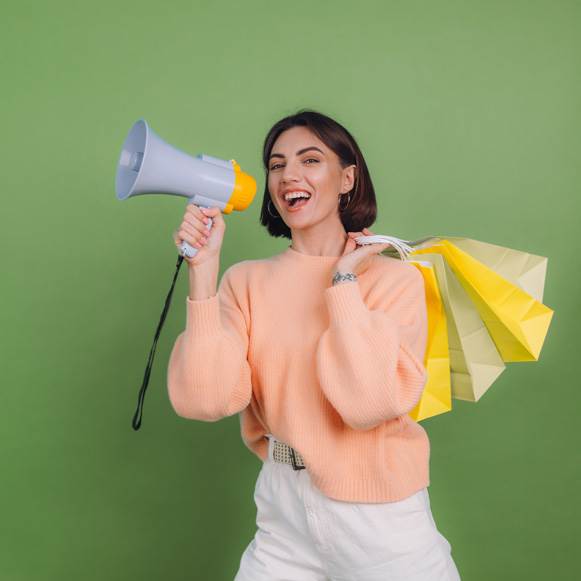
209, 375
370, 362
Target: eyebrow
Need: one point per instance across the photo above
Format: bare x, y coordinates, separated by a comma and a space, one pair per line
298, 152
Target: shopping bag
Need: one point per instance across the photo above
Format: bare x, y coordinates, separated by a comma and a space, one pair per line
527, 271
492, 301
516, 321
436, 398
474, 359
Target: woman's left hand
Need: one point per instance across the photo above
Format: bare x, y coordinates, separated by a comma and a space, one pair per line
355, 259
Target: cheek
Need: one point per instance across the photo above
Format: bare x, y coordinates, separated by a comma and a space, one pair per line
272, 183
327, 184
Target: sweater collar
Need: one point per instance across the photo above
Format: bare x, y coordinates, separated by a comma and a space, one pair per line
306, 260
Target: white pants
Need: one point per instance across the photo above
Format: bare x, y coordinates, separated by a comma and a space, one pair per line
305, 536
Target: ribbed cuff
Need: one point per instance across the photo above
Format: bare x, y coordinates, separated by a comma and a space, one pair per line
203, 318
345, 303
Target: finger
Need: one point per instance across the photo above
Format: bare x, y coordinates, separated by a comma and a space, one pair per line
367, 232
376, 247
193, 218
371, 249
212, 212
198, 230
379, 248
193, 225
195, 215
190, 240
192, 236
195, 211
350, 247
216, 214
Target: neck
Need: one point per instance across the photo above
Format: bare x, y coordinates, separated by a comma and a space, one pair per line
319, 242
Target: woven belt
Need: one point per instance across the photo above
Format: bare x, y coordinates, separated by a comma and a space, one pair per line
285, 454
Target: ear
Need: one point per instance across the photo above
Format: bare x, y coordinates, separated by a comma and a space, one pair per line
349, 176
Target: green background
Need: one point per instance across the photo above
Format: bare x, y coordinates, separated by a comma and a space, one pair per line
468, 114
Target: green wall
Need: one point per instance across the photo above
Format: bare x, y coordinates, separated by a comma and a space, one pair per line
468, 114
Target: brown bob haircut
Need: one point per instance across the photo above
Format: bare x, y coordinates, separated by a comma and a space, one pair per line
362, 209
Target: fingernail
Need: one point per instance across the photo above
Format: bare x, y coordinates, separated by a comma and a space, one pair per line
206, 232
203, 241
206, 221
198, 245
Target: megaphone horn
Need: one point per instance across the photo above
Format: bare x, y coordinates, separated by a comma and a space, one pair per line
150, 165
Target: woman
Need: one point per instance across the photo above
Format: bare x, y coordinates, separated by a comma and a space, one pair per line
320, 350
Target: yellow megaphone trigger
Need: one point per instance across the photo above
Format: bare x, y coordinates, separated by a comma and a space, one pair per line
243, 192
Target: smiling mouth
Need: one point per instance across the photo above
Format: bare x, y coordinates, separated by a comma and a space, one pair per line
296, 200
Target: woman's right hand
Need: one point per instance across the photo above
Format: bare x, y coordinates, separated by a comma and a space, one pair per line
194, 230
204, 266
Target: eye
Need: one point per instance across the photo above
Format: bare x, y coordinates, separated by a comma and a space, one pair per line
275, 166
311, 160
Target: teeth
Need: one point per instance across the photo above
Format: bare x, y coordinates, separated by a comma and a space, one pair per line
292, 195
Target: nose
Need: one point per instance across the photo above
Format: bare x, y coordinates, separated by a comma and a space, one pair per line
290, 173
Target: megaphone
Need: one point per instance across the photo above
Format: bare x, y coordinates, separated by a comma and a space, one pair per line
150, 165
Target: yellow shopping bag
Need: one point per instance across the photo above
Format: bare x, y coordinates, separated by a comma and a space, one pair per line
516, 321
436, 398
474, 359
492, 301
527, 271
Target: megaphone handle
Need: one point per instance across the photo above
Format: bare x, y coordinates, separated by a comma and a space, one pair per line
187, 249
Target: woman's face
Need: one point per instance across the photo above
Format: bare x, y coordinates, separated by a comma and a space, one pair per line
305, 179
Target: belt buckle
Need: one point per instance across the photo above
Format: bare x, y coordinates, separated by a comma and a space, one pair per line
293, 460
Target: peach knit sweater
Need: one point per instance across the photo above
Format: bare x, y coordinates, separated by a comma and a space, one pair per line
331, 370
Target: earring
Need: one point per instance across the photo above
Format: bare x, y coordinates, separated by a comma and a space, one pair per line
268, 208
348, 201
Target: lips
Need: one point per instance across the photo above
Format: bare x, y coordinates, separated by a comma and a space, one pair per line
295, 199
